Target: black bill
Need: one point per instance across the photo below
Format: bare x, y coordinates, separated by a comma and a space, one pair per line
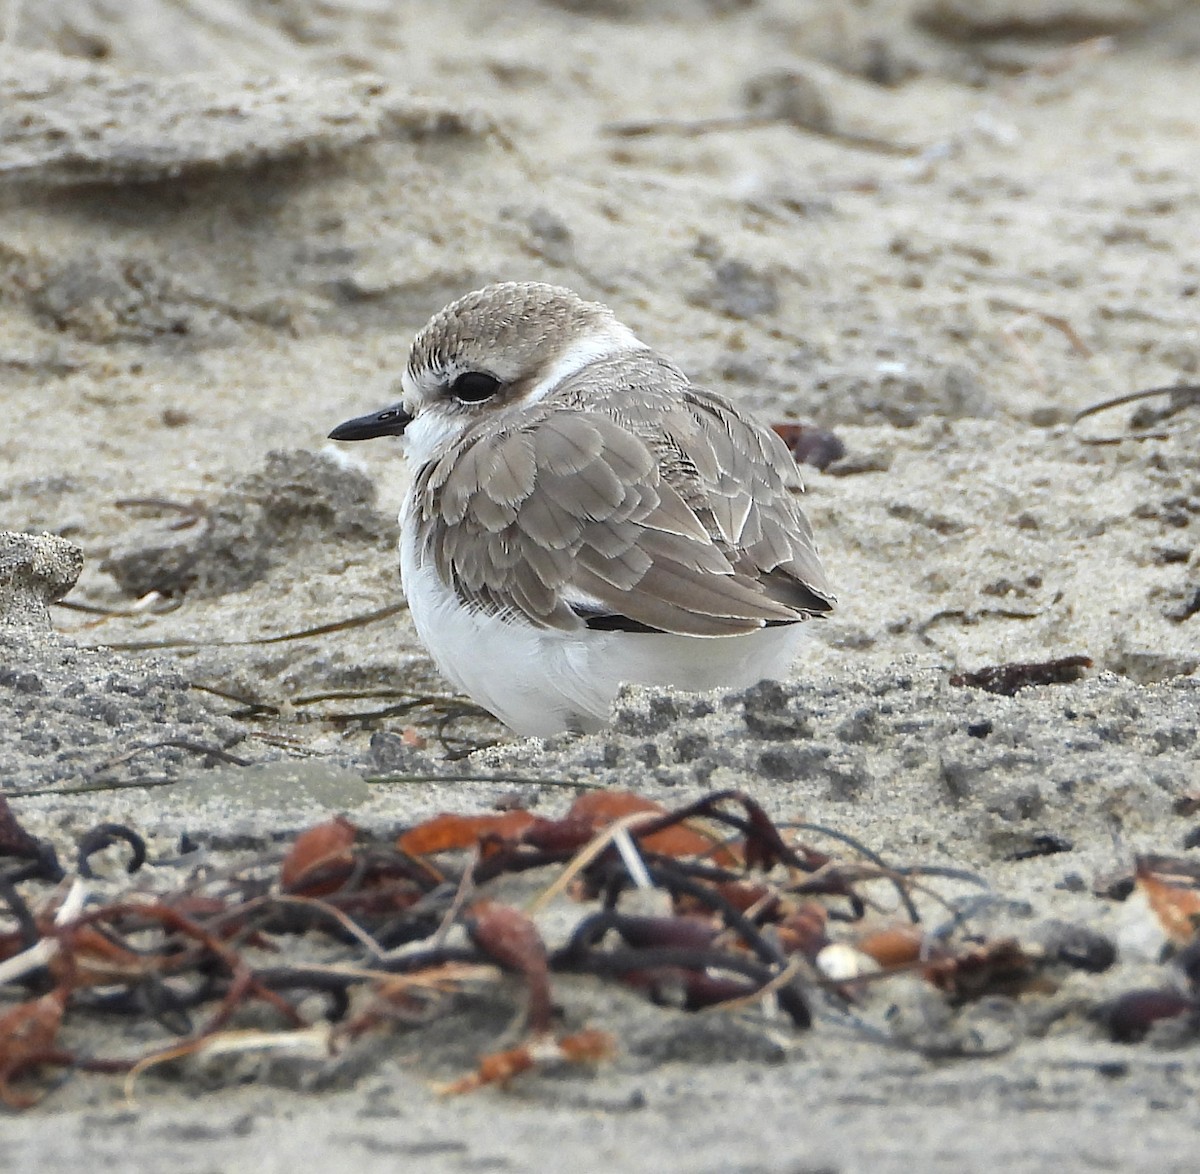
390, 422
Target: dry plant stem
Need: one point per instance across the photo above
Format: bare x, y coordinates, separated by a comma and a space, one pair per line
90, 788
1102, 441
1055, 321
438, 978
740, 122
1189, 389
254, 708
524, 780
325, 910
132, 613
305, 634
793, 970
370, 694
216, 752
190, 512
587, 854
631, 858
884, 868
19, 965
466, 887
310, 1038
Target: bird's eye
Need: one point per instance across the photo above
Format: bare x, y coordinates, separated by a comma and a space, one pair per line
473, 387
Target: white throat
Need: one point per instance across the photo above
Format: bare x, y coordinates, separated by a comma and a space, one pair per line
429, 434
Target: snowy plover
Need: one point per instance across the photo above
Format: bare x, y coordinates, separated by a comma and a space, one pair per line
580, 515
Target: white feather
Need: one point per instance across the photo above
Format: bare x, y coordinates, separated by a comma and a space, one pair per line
602, 343
542, 681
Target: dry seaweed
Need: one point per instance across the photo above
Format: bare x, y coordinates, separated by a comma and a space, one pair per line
752, 917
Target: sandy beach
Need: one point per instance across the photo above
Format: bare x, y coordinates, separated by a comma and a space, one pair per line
940, 229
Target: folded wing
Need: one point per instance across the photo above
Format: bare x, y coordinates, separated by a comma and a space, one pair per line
646, 511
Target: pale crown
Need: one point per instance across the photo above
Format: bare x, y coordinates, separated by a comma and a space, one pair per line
496, 352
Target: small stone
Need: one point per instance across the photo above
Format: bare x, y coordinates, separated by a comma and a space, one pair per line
840, 962
645, 712
1076, 946
390, 753
21, 682
35, 571
790, 96
1041, 844
768, 715
1187, 605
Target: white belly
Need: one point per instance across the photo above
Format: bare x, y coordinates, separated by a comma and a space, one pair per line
542, 681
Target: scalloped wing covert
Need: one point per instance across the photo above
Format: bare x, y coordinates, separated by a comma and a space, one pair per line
658, 505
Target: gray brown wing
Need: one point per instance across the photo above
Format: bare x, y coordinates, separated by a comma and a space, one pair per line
574, 516
744, 485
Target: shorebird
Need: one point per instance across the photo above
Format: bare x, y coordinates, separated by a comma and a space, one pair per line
581, 515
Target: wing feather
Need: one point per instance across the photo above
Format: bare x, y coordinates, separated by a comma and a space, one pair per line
658, 504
